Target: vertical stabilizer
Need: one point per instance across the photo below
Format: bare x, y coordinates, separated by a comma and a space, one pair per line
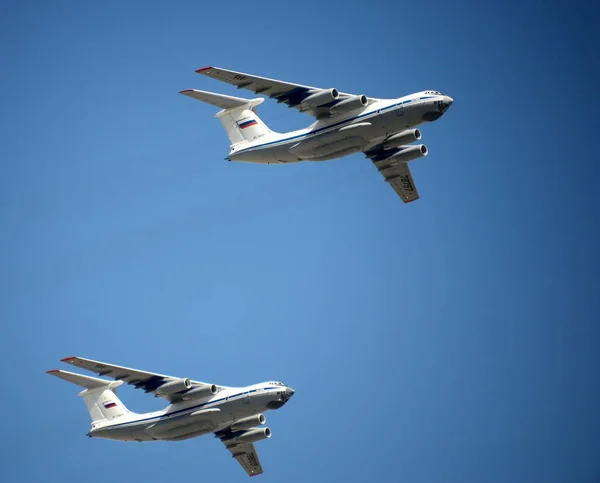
103, 404
99, 396
238, 116
242, 124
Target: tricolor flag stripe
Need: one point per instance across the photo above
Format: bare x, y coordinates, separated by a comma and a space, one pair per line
110, 405
245, 124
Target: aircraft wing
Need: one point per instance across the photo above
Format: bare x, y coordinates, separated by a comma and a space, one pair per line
286, 92
148, 381
247, 457
397, 174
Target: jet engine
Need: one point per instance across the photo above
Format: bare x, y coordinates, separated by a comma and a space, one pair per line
408, 153
320, 98
249, 422
401, 138
199, 392
347, 105
250, 436
173, 387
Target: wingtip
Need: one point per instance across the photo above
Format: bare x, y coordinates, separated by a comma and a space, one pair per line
52, 371
204, 68
67, 359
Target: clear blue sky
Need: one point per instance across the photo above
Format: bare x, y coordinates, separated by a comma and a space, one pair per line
453, 339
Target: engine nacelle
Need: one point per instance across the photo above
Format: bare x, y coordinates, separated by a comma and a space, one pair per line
249, 422
347, 105
408, 153
402, 138
320, 98
172, 387
199, 392
250, 436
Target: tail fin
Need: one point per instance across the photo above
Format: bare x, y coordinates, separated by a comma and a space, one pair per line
99, 396
238, 116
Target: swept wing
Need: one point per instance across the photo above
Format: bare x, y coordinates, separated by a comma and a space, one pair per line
294, 95
148, 381
245, 454
247, 457
396, 173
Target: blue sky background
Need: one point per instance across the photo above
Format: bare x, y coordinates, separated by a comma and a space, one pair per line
452, 339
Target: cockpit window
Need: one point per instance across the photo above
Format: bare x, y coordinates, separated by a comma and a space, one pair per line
275, 383
433, 92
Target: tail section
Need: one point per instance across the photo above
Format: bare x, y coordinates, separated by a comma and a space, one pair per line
238, 116
242, 124
99, 396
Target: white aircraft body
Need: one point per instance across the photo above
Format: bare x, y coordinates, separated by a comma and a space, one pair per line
383, 129
233, 414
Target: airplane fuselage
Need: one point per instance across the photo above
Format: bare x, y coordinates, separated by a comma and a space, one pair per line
357, 131
196, 417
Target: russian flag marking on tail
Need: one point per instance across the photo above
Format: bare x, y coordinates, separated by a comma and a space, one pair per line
248, 123
109, 405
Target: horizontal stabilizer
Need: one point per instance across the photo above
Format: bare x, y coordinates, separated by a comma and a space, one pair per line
219, 100
84, 381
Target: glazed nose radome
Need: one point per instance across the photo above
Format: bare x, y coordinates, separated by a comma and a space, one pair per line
448, 100
282, 397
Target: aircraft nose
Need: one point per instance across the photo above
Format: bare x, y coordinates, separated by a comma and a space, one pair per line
448, 101
290, 391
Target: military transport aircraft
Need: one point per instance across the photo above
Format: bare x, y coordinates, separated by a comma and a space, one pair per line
345, 123
233, 414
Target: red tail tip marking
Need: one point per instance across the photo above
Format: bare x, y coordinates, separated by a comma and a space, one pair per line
67, 359
203, 69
